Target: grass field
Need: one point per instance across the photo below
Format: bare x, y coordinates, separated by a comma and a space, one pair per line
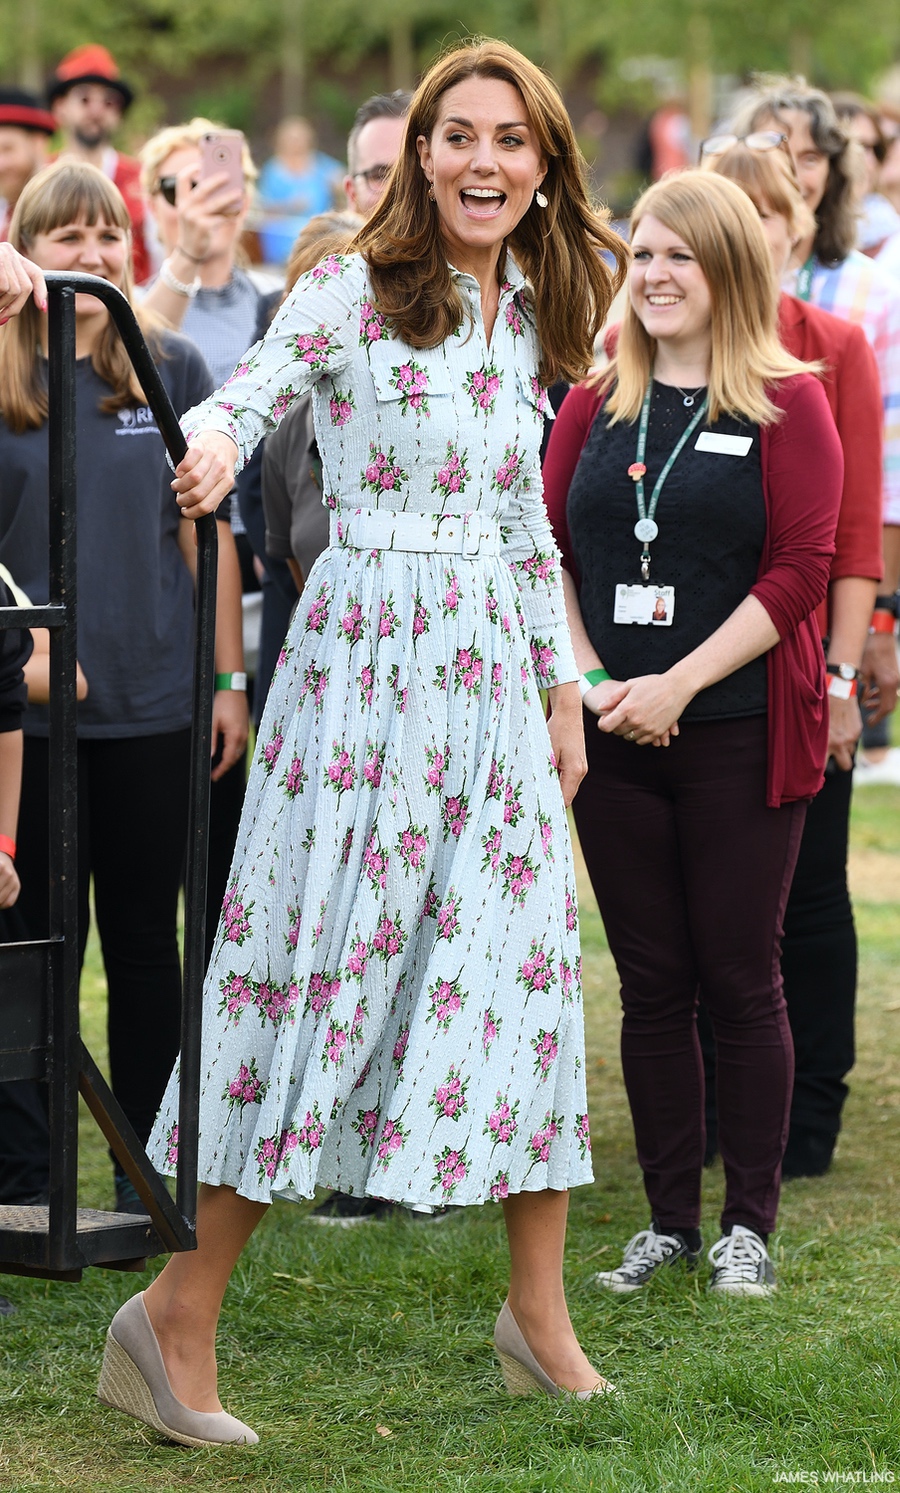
363, 1358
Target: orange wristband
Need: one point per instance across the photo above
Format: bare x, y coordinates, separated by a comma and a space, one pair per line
882, 622
8, 846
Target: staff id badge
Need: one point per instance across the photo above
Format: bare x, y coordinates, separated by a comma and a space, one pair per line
645, 606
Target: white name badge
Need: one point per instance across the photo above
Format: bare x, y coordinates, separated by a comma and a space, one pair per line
645, 606
725, 445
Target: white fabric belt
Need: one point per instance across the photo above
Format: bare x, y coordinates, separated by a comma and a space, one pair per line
466, 534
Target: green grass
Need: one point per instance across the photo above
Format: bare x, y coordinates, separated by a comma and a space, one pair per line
364, 1358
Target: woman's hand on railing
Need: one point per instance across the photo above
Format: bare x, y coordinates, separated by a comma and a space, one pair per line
205, 475
19, 279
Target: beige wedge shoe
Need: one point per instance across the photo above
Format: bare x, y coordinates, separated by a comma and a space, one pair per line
522, 1374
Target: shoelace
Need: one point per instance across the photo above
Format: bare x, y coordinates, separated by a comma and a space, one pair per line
645, 1249
738, 1257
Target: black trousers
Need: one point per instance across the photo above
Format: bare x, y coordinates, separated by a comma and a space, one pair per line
819, 965
132, 833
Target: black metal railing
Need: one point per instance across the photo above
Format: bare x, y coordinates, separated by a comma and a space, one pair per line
39, 1016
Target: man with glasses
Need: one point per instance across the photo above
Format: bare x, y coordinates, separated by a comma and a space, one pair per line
373, 146
88, 98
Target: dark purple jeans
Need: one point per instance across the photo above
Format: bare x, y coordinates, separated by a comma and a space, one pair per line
692, 871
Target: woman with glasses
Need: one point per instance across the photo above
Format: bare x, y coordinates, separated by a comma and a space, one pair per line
703, 468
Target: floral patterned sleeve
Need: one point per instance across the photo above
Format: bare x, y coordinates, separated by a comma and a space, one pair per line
533, 557
310, 337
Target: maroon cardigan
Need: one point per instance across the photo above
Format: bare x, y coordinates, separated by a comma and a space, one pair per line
802, 470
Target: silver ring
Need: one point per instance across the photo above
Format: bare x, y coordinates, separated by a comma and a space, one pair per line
629, 736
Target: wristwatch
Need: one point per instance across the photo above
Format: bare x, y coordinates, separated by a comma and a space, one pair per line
237, 680
842, 680
889, 604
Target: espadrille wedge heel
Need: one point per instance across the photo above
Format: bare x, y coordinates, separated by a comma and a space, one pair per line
522, 1374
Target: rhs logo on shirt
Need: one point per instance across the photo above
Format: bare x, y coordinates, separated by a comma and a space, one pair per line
137, 422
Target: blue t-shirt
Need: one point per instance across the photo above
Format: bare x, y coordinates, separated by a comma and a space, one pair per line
135, 593
295, 199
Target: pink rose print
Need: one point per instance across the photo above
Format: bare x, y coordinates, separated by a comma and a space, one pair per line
512, 802
492, 844
518, 873
294, 778
454, 813
482, 386
340, 773
319, 929
566, 981
450, 603
172, 1146
365, 679
400, 1046
491, 604
371, 325
374, 764
341, 406
546, 828
315, 348
412, 847
411, 382
246, 1087
315, 682
275, 1155
388, 621
321, 992
276, 1004
382, 474
237, 994
393, 1139
583, 1135
538, 568
440, 677
502, 1124
537, 972
509, 470
352, 625
546, 1049
496, 683
282, 403
514, 318
361, 1081
500, 1187
358, 959
543, 658
240, 372
269, 750
571, 912
235, 917
541, 1141
366, 1126
453, 474
432, 904
496, 778
389, 938
449, 1098
451, 1169
448, 922
539, 394
468, 668
447, 997
335, 1049
331, 268
359, 1018
283, 657
400, 695
375, 861
312, 1131
420, 617
346, 848
438, 759
292, 937
317, 616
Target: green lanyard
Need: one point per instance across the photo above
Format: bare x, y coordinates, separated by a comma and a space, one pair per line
805, 278
646, 528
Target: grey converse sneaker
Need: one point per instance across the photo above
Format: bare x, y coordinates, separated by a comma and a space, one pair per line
644, 1254
741, 1265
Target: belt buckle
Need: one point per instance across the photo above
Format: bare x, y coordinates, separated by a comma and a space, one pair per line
471, 535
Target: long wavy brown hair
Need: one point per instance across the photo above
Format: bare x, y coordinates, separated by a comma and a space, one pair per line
66, 192
559, 248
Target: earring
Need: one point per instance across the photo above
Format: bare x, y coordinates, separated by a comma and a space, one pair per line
540, 199
431, 191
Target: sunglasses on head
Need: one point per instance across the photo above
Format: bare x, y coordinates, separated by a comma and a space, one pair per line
166, 188
761, 140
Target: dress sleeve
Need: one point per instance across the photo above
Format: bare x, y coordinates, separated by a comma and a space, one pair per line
313, 334
804, 478
533, 558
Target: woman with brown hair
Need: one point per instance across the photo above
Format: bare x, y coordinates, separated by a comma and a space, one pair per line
703, 467
135, 620
393, 1005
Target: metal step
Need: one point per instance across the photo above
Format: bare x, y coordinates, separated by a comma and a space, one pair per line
119, 1241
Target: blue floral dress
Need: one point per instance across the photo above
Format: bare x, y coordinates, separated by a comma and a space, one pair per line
393, 1005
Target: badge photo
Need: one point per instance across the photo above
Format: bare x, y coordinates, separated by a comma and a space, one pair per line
644, 606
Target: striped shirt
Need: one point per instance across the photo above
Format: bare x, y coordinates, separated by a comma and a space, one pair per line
860, 291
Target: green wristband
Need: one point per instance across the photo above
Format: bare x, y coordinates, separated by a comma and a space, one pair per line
587, 681
231, 681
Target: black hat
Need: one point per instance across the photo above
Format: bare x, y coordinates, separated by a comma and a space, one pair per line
26, 111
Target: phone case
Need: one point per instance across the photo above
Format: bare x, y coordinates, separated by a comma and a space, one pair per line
222, 151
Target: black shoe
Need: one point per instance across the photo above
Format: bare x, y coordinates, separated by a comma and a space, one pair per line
344, 1212
808, 1153
646, 1253
127, 1200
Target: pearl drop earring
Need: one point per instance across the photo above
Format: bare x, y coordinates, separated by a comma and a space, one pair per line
540, 199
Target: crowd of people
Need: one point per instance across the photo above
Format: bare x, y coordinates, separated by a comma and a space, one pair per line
513, 556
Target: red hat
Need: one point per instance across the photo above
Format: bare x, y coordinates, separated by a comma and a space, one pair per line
24, 110
88, 64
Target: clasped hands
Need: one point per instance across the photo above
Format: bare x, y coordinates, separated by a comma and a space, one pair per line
644, 710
